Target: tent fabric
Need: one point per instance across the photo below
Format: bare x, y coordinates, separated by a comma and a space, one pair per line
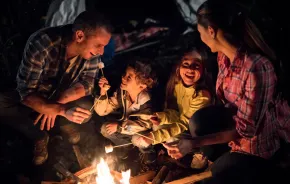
63, 12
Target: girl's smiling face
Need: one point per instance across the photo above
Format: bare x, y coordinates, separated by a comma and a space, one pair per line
191, 68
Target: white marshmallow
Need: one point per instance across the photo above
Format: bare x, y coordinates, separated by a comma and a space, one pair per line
109, 148
101, 65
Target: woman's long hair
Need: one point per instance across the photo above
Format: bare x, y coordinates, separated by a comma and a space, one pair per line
238, 30
204, 83
233, 20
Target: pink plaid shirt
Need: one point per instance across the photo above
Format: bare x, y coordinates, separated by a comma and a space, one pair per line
248, 83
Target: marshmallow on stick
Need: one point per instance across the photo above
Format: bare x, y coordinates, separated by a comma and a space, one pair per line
110, 148
101, 65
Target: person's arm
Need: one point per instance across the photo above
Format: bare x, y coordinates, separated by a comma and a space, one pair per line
30, 72
176, 124
77, 91
168, 131
202, 99
186, 146
216, 138
104, 106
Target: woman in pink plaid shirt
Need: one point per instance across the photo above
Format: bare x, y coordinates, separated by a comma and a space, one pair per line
255, 115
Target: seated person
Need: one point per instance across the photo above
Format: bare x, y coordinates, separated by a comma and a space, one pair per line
135, 101
187, 91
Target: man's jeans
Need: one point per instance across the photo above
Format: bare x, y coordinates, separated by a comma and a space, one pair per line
21, 117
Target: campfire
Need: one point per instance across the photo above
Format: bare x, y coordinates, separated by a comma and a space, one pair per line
106, 176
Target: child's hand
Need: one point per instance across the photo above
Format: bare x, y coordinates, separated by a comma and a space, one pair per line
112, 128
155, 120
104, 85
142, 142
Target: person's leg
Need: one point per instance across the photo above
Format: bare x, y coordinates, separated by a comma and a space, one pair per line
118, 139
147, 152
70, 129
240, 169
19, 117
210, 120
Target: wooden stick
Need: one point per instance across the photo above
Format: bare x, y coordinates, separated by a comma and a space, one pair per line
95, 104
145, 136
79, 156
102, 72
193, 178
142, 135
122, 145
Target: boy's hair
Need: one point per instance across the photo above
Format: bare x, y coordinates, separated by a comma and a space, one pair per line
89, 21
144, 71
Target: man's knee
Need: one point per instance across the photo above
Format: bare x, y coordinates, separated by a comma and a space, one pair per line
84, 102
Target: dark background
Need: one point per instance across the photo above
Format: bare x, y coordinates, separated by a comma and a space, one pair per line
20, 18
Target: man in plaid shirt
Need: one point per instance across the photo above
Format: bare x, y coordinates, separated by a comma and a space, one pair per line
57, 72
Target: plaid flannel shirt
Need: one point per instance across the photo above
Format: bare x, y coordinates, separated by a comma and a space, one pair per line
43, 64
248, 83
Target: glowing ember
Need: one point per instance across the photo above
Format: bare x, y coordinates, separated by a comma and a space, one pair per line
105, 176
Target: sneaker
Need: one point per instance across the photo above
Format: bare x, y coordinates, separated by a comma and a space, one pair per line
199, 161
72, 133
148, 158
40, 150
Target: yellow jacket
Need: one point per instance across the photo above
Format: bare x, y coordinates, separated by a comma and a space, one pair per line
175, 122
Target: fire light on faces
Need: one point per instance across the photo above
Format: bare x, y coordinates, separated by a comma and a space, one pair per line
104, 175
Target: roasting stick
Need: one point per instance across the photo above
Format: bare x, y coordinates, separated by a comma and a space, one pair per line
110, 148
101, 66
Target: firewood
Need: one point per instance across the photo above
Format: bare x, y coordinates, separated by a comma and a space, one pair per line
86, 172
193, 178
82, 162
143, 178
159, 178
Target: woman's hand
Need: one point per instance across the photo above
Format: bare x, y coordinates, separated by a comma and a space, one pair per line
179, 150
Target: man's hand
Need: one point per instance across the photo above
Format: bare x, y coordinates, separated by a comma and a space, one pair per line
48, 119
77, 114
111, 128
183, 147
104, 85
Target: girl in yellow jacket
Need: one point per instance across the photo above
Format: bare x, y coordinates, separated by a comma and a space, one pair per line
188, 90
